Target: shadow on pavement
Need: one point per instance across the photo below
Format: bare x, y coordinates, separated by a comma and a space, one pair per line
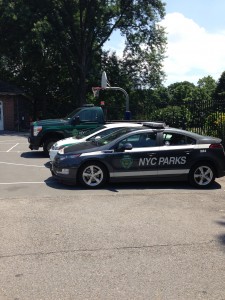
116, 187
221, 237
33, 154
48, 164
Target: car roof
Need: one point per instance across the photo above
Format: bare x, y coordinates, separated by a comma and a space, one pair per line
123, 124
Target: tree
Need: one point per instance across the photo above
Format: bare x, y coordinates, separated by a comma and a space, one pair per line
65, 37
181, 92
207, 86
219, 95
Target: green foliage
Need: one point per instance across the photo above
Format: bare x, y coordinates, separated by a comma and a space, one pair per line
207, 86
53, 49
219, 95
215, 124
176, 116
220, 88
181, 92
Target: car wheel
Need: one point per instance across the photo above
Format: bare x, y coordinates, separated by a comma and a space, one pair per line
92, 175
202, 175
48, 144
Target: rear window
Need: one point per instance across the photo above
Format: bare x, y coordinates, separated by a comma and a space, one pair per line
175, 139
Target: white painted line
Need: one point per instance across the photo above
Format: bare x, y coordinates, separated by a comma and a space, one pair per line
13, 147
9, 141
6, 163
37, 182
11, 151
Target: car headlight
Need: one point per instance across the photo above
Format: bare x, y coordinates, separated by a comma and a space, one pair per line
61, 151
36, 130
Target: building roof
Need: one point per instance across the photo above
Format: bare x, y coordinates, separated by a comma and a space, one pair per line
9, 89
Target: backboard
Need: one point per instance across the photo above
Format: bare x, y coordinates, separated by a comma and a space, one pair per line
104, 81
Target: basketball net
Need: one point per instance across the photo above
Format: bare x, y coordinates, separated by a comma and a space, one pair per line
96, 90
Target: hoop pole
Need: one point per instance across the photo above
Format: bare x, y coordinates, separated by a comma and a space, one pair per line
116, 88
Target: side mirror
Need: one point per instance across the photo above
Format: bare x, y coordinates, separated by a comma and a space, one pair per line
97, 138
127, 146
76, 120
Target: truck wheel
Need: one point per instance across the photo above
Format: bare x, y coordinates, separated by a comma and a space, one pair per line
48, 144
92, 175
202, 175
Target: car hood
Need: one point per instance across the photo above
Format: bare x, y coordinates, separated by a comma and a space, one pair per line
68, 141
51, 122
83, 147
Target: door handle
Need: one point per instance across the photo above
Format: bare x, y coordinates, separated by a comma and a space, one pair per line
187, 152
152, 154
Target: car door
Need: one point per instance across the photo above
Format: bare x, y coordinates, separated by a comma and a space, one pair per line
140, 161
175, 154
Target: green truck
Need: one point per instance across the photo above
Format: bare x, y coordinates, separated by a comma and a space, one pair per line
45, 133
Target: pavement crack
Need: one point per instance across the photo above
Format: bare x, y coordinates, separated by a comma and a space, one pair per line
108, 249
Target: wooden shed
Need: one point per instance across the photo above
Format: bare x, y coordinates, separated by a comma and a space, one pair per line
15, 108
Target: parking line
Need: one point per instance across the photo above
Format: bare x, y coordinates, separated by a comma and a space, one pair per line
12, 147
9, 141
25, 182
12, 151
6, 163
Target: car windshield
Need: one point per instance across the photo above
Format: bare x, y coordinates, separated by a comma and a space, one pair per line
111, 137
88, 132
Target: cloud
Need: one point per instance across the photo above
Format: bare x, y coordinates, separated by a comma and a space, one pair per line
192, 52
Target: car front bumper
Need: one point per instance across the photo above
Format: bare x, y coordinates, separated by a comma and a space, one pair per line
34, 142
64, 174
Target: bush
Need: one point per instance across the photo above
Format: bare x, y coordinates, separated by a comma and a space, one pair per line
176, 116
215, 125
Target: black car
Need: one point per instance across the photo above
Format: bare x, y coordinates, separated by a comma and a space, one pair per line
154, 152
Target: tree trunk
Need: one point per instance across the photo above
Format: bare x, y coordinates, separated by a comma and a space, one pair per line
82, 88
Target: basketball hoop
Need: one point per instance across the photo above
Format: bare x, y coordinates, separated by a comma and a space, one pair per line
96, 90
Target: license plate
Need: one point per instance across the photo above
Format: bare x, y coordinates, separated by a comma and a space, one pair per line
63, 171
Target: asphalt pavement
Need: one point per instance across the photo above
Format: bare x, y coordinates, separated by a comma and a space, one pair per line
124, 241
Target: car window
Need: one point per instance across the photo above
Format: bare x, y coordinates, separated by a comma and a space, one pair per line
114, 135
175, 139
88, 115
85, 133
140, 140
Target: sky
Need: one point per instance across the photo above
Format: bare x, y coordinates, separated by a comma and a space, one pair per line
195, 40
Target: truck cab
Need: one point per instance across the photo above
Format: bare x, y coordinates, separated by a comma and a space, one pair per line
45, 133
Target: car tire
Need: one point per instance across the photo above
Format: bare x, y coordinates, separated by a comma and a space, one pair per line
48, 144
93, 175
202, 175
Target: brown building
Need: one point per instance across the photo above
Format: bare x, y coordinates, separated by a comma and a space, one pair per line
15, 108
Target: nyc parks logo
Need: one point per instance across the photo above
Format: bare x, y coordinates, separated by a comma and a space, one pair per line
126, 161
